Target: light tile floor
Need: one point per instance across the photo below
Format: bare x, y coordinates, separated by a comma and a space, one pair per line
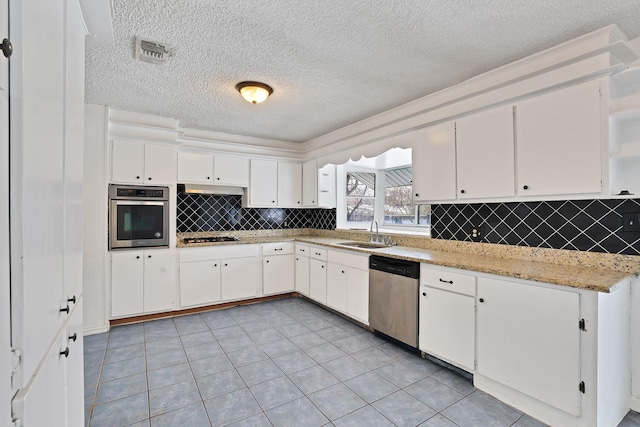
283, 363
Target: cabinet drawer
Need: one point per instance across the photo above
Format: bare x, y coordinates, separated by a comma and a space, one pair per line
455, 282
302, 249
352, 259
318, 253
277, 248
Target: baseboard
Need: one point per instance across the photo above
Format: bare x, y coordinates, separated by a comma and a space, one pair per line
96, 330
634, 403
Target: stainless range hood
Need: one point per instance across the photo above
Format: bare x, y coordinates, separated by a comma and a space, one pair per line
213, 190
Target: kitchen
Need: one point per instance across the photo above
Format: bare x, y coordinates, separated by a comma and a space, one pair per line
546, 222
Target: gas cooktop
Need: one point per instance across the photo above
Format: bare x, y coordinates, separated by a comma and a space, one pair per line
210, 239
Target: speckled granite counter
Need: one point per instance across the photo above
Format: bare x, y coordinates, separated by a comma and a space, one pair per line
596, 272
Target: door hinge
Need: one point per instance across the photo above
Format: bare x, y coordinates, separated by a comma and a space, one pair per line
16, 363
581, 325
581, 387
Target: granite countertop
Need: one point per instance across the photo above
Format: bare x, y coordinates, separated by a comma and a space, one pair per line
575, 276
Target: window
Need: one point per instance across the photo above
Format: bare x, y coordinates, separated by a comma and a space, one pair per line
360, 192
399, 209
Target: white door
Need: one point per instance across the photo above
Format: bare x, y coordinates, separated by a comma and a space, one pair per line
199, 283
127, 275
433, 157
358, 294
290, 184
127, 161
558, 142
485, 154
528, 339
337, 286
318, 280
309, 183
278, 274
159, 288
195, 167
231, 171
159, 164
240, 278
263, 188
302, 274
5, 333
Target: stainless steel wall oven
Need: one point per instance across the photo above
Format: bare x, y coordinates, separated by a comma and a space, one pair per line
138, 216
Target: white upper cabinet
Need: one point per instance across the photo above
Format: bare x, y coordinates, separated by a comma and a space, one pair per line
559, 142
134, 162
231, 171
195, 167
309, 184
263, 186
485, 154
434, 163
290, 185
327, 186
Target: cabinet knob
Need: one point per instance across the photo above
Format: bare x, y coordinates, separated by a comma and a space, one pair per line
7, 48
481, 300
73, 337
137, 177
208, 177
149, 178
417, 195
65, 353
297, 259
226, 265
137, 256
273, 201
342, 271
72, 299
218, 178
322, 266
298, 202
215, 265
267, 261
148, 256
424, 294
525, 187
66, 309
461, 191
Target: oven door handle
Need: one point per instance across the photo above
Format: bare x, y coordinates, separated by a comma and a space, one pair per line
138, 203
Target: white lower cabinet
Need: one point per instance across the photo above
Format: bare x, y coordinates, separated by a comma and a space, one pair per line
318, 280
337, 286
528, 339
348, 284
302, 274
240, 278
358, 294
447, 316
278, 268
199, 283
142, 282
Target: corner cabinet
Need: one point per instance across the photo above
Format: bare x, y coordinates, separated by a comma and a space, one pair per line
142, 282
434, 163
142, 163
528, 339
559, 142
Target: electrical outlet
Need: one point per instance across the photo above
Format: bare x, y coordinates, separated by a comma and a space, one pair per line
631, 221
477, 233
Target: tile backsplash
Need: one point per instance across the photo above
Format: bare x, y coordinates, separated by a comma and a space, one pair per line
584, 225
199, 212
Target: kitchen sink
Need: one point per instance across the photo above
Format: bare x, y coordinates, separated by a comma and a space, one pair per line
363, 245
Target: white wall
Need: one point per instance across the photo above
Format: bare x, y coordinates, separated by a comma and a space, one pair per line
95, 218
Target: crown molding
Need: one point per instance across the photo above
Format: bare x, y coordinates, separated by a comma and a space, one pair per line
189, 135
608, 40
139, 126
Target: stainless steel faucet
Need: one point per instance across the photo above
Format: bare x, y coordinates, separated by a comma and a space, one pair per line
377, 240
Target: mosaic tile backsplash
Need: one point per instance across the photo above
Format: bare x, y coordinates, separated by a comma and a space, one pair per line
584, 225
198, 212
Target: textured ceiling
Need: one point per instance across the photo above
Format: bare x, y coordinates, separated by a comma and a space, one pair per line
330, 62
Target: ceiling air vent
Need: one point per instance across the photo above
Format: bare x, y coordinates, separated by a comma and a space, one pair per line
149, 51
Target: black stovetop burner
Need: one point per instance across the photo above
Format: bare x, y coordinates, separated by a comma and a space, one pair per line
210, 239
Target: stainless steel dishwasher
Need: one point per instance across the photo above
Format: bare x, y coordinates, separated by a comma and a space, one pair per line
393, 298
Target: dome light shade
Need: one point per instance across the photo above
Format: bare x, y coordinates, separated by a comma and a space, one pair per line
254, 92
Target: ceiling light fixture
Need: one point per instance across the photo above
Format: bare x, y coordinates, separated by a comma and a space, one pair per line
254, 92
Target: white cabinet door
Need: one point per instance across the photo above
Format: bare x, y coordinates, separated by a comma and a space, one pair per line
199, 283
358, 294
195, 167
127, 161
327, 186
302, 274
290, 185
528, 339
263, 185
278, 274
240, 278
127, 275
485, 154
159, 164
74, 369
231, 171
337, 286
159, 280
318, 280
558, 142
447, 326
309, 183
434, 163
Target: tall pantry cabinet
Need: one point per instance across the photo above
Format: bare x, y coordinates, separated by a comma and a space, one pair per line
46, 158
